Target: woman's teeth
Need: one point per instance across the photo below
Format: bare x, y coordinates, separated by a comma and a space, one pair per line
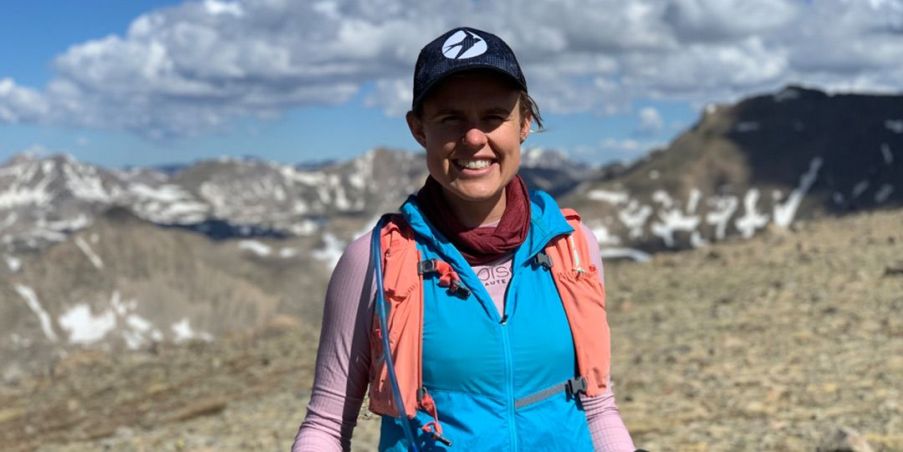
474, 164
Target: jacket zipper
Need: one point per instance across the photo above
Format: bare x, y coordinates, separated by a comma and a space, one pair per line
509, 365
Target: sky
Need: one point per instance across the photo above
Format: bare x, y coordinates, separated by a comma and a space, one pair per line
142, 82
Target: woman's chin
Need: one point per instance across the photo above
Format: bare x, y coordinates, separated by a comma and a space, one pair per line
476, 194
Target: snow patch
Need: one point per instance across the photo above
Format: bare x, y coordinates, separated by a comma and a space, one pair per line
662, 197
786, 94
72, 224
86, 249
183, 332
84, 327
887, 154
654, 174
752, 219
620, 253
860, 188
604, 237
22, 196
671, 221
300, 208
611, 197
84, 183
783, 213
163, 193
696, 240
894, 125
722, 208
13, 262
331, 251
306, 227
31, 299
139, 329
532, 157
883, 193
357, 181
40, 231
287, 253
746, 126
258, 248
634, 217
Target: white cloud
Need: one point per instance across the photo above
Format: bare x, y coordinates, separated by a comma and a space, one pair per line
185, 69
20, 104
626, 149
722, 20
651, 121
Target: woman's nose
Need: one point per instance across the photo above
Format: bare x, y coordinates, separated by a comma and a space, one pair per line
474, 138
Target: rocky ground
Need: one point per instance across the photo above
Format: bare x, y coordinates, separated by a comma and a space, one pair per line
790, 341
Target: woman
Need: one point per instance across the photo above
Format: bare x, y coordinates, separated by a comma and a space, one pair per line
499, 359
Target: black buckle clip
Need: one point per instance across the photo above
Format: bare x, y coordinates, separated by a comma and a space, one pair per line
575, 386
427, 267
460, 289
543, 259
421, 392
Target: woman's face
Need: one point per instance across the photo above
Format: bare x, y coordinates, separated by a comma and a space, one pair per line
472, 129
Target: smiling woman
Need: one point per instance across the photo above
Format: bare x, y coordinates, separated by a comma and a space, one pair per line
472, 128
518, 360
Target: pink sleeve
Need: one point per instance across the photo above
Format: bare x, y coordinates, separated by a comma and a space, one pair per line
605, 425
343, 358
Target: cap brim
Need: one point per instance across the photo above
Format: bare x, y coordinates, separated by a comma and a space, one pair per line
457, 70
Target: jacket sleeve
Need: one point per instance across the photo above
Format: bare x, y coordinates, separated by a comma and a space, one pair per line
605, 424
343, 357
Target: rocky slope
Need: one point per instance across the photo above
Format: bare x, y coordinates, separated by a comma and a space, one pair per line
776, 343
123, 283
798, 153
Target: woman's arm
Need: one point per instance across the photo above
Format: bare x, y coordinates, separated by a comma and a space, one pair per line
343, 358
608, 430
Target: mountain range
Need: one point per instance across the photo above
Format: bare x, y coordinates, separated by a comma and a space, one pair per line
125, 259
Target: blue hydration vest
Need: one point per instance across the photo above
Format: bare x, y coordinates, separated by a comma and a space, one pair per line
494, 377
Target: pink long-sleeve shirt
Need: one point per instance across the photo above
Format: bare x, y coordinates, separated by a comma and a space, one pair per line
343, 358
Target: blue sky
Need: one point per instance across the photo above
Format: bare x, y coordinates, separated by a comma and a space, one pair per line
151, 82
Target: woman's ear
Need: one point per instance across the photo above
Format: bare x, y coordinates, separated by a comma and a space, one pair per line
525, 124
415, 124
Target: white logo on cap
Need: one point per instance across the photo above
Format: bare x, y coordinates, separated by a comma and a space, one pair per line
463, 44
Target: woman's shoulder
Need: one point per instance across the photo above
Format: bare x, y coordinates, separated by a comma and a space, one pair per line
356, 256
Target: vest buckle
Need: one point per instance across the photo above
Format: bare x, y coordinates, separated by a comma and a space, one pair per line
427, 267
575, 386
543, 259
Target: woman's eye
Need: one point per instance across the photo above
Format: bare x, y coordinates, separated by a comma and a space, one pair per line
495, 119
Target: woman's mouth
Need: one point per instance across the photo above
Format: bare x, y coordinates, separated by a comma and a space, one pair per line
472, 164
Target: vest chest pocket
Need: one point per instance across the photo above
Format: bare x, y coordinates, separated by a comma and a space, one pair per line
583, 286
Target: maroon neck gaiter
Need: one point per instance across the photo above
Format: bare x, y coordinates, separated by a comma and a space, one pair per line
483, 244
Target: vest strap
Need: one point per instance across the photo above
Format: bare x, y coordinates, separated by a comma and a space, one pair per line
572, 388
433, 428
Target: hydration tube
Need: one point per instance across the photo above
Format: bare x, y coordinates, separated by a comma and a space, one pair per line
380, 306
